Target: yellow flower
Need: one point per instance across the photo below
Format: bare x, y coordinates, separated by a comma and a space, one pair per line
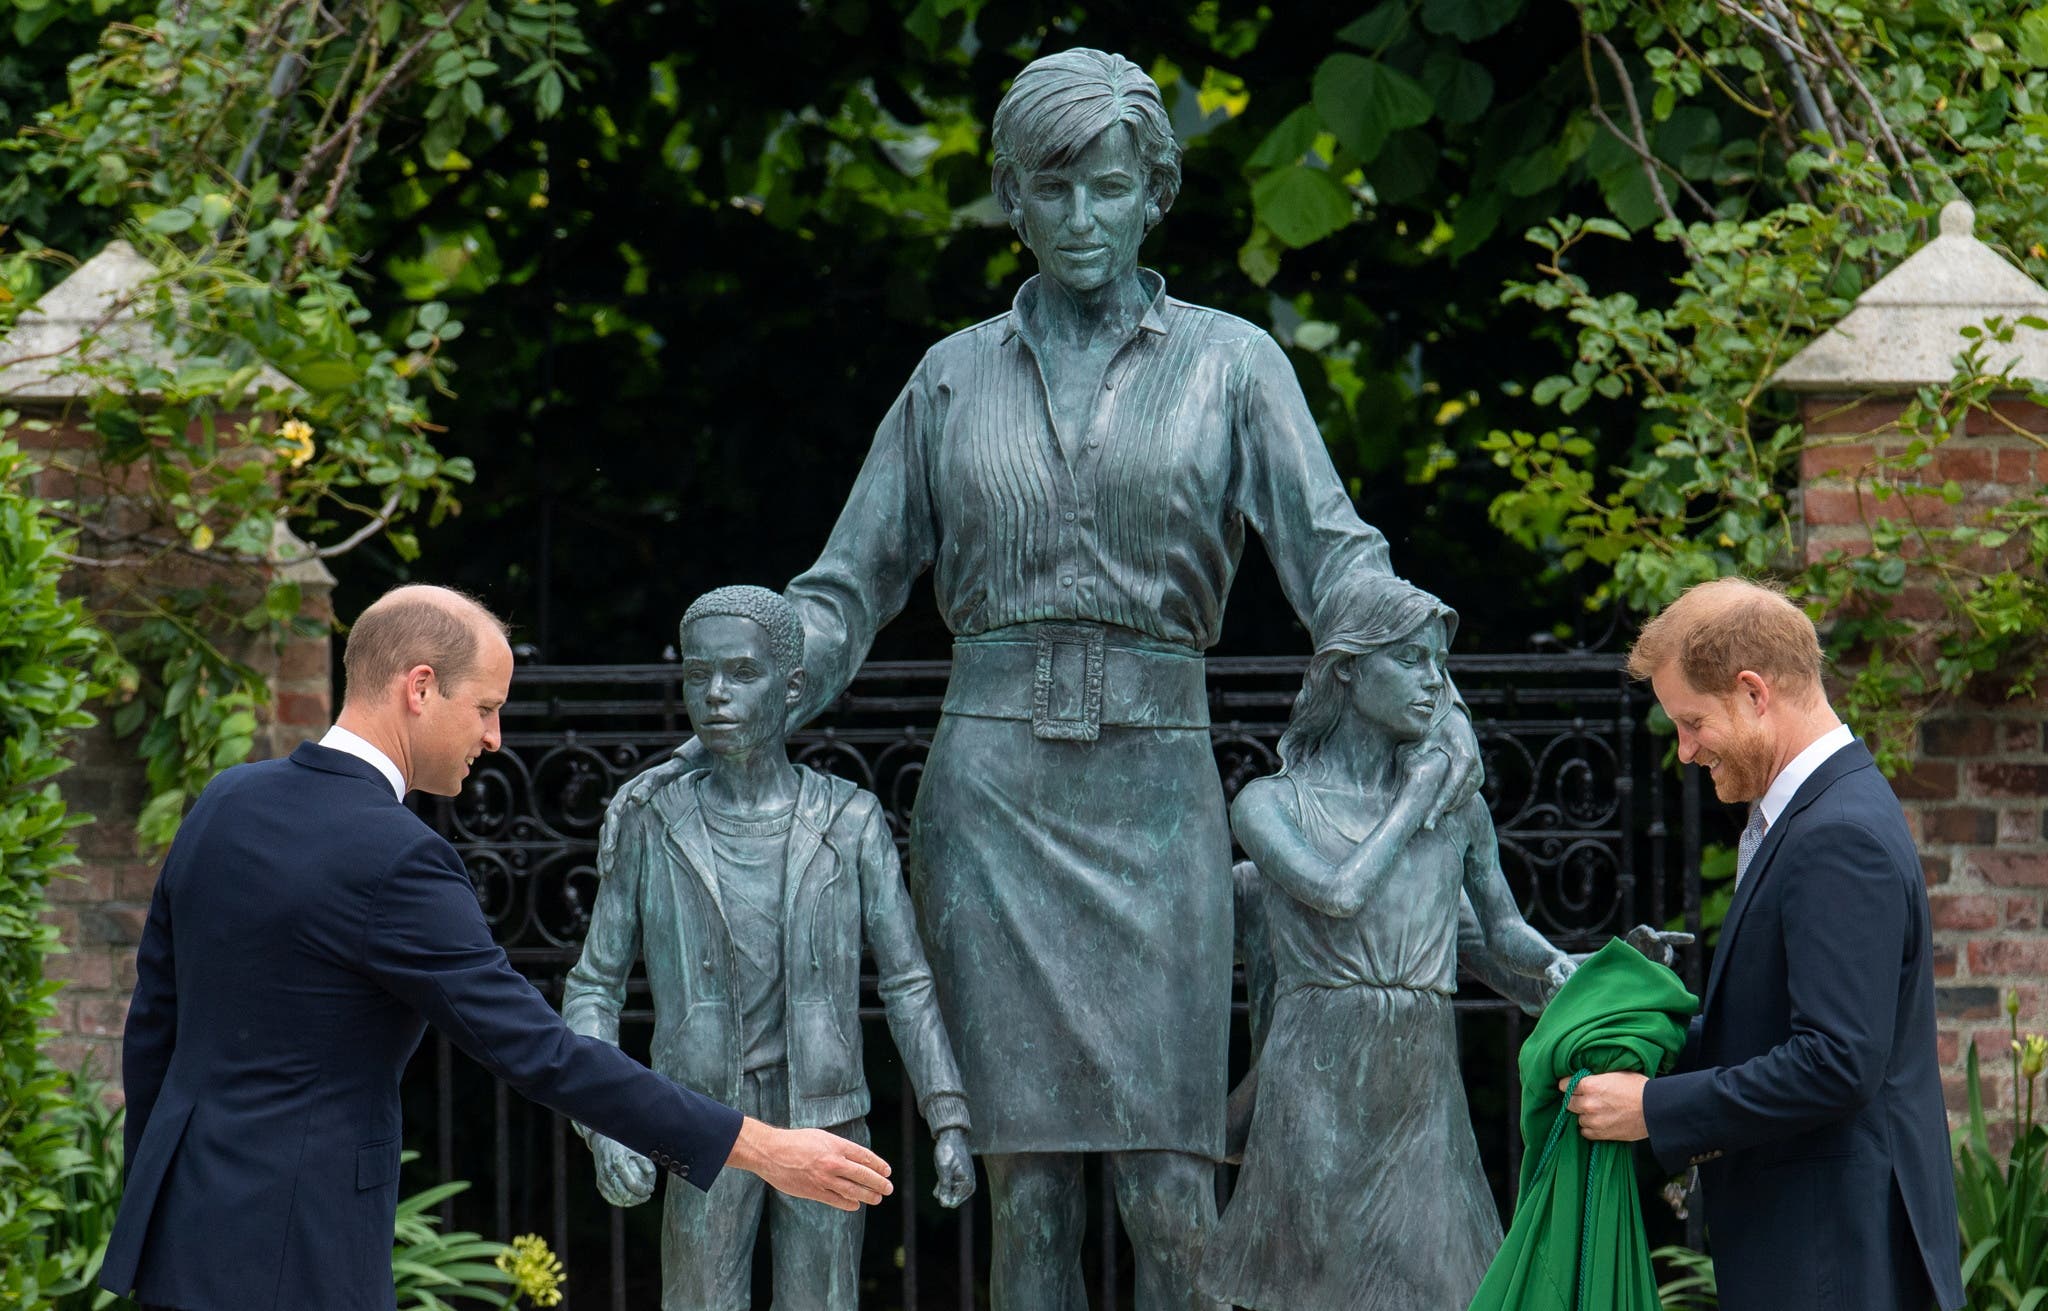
297, 436
536, 1270
2012, 1003
2033, 1054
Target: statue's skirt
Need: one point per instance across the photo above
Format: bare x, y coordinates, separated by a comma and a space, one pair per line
1075, 901
1361, 1188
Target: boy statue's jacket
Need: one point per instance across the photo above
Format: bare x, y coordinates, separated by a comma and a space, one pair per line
659, 900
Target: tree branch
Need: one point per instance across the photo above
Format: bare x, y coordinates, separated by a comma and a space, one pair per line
1884, 126
1786, 48
362, 534
352, 126
1639, 143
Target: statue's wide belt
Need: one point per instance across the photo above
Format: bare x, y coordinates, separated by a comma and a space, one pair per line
1071, 680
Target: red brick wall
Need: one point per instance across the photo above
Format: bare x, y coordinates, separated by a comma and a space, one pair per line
100, 913
1977, 797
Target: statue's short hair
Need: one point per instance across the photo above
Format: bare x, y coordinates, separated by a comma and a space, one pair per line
1718, 629
411, 626
775, 615
1062, 102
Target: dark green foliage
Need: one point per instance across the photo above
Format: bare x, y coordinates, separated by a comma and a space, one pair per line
54, 1173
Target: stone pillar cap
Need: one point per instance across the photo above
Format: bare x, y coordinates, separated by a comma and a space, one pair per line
1905, 331
95, 313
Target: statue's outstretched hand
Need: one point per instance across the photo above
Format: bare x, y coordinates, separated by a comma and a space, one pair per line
624, 1177
956, 1168
688, 756
1454, 737
1659, 945
1555, 973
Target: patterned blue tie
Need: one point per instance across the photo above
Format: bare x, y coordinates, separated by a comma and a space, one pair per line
1752, 838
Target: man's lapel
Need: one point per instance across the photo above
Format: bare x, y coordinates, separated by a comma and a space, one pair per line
1840, 765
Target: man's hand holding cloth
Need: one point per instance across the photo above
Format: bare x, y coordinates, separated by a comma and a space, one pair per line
1577, 1242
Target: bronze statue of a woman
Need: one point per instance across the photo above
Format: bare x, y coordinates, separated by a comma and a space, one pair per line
1079, 473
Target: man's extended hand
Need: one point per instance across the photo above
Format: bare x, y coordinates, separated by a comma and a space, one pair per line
1609, 1106
624, 1177
956, 1168
811, 1164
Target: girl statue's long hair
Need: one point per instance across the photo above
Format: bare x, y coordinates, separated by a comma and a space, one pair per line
1360, 612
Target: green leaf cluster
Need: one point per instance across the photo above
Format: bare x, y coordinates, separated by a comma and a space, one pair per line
54, 1182
433, 1270
2003, 1204
265, 406
1382, 118
1858, 128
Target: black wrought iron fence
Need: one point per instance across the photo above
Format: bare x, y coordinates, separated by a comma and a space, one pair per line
1574, 782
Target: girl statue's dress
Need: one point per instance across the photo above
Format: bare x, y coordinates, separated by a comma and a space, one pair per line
1361, 1187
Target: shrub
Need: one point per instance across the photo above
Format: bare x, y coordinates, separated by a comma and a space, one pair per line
49, 656
2004, 1207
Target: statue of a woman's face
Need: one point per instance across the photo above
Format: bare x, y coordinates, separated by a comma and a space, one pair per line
1085, 219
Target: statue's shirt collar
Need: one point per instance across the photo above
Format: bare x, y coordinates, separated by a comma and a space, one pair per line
1024, 309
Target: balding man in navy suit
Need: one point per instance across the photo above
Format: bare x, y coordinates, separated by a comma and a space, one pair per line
305, 930
1808, 1093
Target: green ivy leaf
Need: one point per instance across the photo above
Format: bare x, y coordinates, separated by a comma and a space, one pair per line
1288, 142
1461, 89
1468, 20
330, 375
2032, 32
1379, 28
1301, 205
1405, 167
169, 221
1365, 101
1257, 258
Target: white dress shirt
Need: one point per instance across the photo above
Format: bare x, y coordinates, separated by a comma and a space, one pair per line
340, 739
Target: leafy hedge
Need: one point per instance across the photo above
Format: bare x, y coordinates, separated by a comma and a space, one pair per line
48, 654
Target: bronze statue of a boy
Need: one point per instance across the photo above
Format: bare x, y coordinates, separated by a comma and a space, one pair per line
746, 886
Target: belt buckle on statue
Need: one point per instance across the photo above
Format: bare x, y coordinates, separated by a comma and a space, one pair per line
1066, 683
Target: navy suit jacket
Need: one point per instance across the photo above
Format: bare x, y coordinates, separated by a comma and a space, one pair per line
1808, 1090
304, 931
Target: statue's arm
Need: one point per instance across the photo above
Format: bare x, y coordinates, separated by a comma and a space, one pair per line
885, 538
1285, 486
1288, 490
595, 989
1508, 939
904, 980
1270, 833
